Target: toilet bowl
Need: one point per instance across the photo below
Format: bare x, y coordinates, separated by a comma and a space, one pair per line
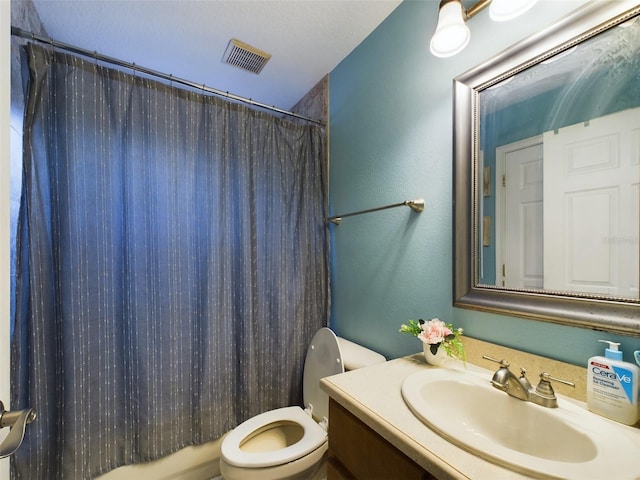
291, 443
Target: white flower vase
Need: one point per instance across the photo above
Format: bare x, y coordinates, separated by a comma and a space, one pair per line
440, 357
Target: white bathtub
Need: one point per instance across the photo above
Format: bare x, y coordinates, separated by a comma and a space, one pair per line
191, 463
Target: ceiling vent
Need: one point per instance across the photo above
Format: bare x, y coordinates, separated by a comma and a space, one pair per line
244, 56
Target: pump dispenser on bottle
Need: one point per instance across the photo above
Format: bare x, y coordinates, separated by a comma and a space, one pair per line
612, 386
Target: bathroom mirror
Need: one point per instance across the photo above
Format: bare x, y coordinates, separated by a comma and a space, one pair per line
547, 174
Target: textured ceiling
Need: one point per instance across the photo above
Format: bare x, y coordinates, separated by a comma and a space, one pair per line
188, 38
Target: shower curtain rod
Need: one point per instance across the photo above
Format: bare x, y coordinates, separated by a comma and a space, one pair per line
416, 205
18, 32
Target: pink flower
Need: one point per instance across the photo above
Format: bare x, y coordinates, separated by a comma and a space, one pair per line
434, 331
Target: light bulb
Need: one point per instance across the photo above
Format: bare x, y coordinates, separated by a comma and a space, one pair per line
452, 33
501, 10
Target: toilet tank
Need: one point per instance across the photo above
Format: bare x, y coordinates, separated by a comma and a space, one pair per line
356, 356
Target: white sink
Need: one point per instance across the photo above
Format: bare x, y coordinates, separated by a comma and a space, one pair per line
564, 442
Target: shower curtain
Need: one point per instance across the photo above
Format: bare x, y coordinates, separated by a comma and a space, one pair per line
172, 266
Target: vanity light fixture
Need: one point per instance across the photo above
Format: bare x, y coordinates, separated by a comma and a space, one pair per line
452, 33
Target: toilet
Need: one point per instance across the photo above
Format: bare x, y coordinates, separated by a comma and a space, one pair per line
291, 443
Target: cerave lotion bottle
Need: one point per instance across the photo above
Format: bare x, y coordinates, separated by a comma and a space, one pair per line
612, 386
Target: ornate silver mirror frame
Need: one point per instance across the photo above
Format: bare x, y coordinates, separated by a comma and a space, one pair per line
594, 312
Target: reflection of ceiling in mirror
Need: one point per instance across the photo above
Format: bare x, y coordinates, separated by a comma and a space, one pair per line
612, 51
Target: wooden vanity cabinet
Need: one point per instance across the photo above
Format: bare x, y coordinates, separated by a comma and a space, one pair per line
356, 452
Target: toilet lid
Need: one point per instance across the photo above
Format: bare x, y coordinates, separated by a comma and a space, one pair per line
323, 359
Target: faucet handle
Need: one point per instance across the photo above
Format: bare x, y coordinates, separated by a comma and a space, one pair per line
544, 376
503, 363
545, 389
544, 394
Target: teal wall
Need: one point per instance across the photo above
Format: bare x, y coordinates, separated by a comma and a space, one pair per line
391, 140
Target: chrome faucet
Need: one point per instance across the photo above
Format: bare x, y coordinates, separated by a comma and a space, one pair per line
520, 387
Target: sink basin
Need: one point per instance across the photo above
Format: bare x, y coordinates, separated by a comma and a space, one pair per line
564, 442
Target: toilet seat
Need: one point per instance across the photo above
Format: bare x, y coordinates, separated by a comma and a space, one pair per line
323, 359
314, 436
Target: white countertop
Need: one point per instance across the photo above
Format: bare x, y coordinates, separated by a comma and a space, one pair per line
373, 394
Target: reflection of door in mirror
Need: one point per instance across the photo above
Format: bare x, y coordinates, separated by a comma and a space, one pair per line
519, 207
591, 184
588, 226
